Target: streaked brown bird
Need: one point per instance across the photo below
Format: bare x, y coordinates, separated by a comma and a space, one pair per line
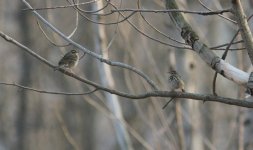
175, 83
69, 60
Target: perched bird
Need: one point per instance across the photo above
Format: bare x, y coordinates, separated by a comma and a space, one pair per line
175, 84
69, 60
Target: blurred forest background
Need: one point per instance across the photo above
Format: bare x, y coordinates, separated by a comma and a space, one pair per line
31, 120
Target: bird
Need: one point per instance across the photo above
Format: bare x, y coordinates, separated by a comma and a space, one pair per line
175, 83
69, 60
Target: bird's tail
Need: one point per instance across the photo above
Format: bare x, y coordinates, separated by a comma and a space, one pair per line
168, 102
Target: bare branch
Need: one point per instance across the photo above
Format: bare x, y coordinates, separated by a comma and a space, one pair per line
76, 26
226, 44
125, 18
153, 27
200, 97
51, 41
148, 36
55, 7
174, 10
45, 91
29, 51
201, 3
224, 57
81, 12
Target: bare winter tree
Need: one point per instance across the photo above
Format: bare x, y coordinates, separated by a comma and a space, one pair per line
113, 98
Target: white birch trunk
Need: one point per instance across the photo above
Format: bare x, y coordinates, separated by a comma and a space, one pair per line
107, 80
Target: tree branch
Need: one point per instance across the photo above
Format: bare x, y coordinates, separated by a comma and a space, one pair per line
174, 10
226, 18
29, 51
193, 96
66, 6
224, 55
45, 91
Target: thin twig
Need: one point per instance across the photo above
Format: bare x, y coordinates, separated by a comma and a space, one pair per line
226, 44
231, 49
224, 57
102, 23
45, 91
56, 7
233, 21
154, 28
148, 36
214, 83
125, 18
51, 41
76, 26
174, 10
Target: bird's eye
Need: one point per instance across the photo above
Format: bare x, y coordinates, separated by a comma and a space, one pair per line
73, 51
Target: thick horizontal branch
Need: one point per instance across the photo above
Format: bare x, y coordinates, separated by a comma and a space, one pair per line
194, 96
174, 10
